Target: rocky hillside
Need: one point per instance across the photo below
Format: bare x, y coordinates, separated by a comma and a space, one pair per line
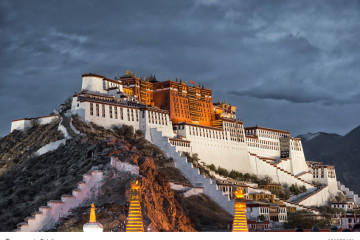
28, 181
19, 146
341, 151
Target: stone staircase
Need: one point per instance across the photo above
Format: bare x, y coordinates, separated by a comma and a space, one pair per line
192, 173
307, 184
301, 197
348, 193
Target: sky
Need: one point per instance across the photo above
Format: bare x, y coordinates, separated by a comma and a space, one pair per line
290, 65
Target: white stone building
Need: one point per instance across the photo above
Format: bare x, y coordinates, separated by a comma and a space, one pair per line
258, 150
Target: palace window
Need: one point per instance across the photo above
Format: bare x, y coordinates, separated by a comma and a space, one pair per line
103, 111
97, 110
110, 111
116, 112
91, 109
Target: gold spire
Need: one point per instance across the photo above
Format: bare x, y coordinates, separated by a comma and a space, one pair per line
134, 220
240, 221
92, 214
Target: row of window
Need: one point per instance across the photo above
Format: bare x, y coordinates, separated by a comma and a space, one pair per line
179, 143
181, 101
114, 112
267, 134
198, 131
157, 118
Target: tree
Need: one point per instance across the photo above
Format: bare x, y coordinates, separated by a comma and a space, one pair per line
267, 179
212, 167
233, 174
305, 220
254, 178
222, 171
246, 176
294, 189
303, 188
34, 123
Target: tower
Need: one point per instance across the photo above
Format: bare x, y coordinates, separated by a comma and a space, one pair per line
134, 221
240, 221
92, 225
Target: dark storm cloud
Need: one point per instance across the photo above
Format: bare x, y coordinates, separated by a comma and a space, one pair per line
263, 55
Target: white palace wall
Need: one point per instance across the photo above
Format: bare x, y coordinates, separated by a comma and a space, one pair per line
298, 163
93, 83
285, 164
118, 115
215, 149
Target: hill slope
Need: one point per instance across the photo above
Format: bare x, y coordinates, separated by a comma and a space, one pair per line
28, 181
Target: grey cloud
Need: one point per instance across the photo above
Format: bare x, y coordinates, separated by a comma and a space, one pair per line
248, 51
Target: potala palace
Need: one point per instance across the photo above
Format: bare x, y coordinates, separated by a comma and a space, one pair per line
179, 116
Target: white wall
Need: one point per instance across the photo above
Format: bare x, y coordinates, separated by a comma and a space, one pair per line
93, 83
23, 124
285, 164
48, 215
264, 168
46, 120
220, 152
20, 124
297, 157
320, 198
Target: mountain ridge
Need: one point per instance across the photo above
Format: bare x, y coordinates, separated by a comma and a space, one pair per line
333, 149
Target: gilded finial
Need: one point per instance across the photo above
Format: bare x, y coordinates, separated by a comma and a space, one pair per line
239, 194
135, 185
92, 214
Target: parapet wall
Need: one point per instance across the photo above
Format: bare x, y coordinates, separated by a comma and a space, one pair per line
278, 175
48, 215
124, 167
318, 198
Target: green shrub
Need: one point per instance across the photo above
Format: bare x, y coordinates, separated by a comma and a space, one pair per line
294, 189
222, 171
212, 167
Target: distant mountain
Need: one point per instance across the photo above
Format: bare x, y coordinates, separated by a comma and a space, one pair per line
341, 151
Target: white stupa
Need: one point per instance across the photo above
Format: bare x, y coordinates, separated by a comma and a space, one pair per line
92, 225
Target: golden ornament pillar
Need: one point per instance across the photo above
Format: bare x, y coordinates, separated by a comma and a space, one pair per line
92, 225
134, 221
240, 221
